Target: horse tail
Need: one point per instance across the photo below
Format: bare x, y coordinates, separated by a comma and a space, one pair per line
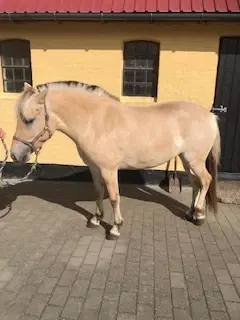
212, 163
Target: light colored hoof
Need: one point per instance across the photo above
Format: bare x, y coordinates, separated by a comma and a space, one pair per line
113, 233
198, 221
94, 222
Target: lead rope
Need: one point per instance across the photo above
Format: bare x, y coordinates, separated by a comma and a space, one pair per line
3, 164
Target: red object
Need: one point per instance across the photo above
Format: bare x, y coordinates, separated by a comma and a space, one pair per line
118, 6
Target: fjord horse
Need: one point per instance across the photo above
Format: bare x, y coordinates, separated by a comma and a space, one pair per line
110, 135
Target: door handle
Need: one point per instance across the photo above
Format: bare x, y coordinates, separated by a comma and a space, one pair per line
221, 109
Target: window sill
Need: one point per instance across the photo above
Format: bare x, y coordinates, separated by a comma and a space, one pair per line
138, 100
9, 96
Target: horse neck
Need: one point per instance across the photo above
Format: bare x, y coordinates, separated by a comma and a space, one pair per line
71, 120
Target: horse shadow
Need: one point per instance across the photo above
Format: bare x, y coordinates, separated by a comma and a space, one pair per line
68, 194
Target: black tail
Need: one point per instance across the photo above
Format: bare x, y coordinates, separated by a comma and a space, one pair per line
212, 167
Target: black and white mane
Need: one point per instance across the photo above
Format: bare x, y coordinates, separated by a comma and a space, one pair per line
75, 84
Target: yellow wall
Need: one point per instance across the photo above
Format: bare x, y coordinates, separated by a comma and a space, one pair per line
92, 53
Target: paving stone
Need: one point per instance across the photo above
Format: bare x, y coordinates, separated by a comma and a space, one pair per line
67, 278
177, 280
59, 296
229, 293
180, 298
80, 288
112, 290
215, 301
28, 317
51, 313
145, 312
223, 276
199, 310
48, 285
35, 307
219, 315
146, 295
128, 301
72, 308
163, 306
182, 314
93, 299
234, 269
126, 316
108, 310
233, 310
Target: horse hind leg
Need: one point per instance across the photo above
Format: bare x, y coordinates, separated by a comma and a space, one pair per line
98, 184
200, 179
194, 181
205, 179
195, 195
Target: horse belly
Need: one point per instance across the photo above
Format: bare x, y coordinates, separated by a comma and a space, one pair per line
146, 159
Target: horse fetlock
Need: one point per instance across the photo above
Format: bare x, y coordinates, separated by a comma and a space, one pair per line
199, 217
94, 222
114, 233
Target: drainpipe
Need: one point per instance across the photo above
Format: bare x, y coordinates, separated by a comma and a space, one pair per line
136, 17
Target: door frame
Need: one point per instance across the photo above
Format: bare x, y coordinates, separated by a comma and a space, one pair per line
234, 176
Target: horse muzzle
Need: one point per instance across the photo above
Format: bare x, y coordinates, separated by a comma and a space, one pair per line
20, 153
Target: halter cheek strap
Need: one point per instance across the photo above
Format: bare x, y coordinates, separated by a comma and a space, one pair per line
30, 144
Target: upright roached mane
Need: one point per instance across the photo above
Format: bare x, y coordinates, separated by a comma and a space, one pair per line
76, 84
110, 135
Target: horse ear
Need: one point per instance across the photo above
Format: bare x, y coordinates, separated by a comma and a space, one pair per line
40, 98
27, 86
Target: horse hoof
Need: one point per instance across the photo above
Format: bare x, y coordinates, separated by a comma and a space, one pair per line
188, 217
92, 225
110, 236
199, 222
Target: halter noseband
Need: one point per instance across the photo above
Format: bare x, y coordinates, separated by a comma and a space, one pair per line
30, 144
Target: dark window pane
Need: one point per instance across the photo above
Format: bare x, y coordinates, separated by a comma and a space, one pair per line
28, 74
149, 90
140, 76
26, 62
130, 49
149, 76
17, 61
8, 74
19, 86
18, 72
129, 75
150, 63
141, 63
141, 48
130, 63
7, 61
9, 86
140, 90
128, 89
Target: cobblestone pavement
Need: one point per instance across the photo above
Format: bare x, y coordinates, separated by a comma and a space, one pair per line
162, 267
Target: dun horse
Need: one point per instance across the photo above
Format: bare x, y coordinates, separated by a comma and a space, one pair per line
110, 135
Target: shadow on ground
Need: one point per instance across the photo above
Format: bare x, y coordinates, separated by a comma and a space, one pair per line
67, 194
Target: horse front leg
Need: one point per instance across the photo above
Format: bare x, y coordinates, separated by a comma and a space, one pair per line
111, 180
98, 184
